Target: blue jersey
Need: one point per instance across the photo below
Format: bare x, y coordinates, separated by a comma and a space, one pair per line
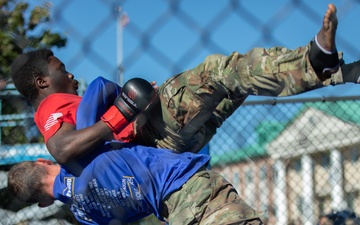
125, 184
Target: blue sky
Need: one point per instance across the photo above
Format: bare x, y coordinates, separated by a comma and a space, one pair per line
172, 39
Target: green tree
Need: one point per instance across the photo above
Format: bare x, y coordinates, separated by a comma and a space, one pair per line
23, 28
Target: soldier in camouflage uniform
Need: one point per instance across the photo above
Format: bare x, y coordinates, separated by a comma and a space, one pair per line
196, 102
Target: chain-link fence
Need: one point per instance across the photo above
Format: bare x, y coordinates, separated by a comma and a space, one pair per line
296, 159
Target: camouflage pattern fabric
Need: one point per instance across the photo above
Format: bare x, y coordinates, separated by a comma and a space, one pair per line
195, 103
208, 199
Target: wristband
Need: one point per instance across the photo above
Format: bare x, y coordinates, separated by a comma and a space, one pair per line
114, 119
323, 62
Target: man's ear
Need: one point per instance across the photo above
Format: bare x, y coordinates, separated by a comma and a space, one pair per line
41, 82
44, 161
46, 203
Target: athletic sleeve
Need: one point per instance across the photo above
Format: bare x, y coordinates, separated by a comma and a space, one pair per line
127, 134
53, 111
98, 97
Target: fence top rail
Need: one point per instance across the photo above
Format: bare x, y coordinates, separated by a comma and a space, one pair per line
9, 89
292, 99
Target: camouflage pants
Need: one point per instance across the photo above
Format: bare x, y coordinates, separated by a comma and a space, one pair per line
195, 103
208, 199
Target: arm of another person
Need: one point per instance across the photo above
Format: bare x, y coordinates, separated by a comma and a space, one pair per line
56, 119
68, 143
99, 117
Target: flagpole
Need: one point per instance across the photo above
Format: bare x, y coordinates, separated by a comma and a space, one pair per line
119, 77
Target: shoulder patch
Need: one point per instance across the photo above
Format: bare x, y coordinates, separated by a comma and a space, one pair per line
69, 189
52, 120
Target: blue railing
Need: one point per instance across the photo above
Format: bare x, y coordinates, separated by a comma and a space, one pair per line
11, 154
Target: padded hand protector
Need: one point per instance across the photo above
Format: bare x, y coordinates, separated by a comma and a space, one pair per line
135, 96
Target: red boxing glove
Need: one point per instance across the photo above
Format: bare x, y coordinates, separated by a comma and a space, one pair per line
115, 119
135, 97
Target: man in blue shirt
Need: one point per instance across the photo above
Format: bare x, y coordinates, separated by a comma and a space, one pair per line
128, 182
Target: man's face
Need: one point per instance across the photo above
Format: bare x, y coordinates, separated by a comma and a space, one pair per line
60, 80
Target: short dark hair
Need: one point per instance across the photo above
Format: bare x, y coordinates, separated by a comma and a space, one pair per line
25, 181
26, 67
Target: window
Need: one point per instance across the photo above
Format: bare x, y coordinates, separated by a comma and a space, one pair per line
354, 155
299, 204
248, 176
325, 160
263, 173
236, 180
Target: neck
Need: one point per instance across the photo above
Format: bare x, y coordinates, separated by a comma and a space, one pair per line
43, 94
35, 105
49, 181
37, 102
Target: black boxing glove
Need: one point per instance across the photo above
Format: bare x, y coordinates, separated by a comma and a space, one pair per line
351, 72
135, 96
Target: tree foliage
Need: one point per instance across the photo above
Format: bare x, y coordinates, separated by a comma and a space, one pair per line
23, 28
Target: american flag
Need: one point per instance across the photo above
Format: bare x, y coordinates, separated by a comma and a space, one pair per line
124, 19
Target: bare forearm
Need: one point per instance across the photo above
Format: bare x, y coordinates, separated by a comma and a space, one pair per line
69, 143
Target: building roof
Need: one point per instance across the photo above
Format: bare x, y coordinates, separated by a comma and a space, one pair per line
270, 130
